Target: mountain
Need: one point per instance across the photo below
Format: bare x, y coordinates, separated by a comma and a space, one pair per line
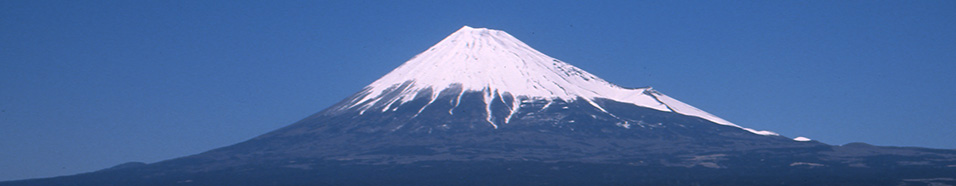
483, 108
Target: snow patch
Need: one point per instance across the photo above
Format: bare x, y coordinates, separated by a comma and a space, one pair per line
801, 138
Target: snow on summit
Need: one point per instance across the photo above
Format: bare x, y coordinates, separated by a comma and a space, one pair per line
495, 63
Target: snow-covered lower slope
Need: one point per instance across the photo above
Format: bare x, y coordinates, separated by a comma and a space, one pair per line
495, 63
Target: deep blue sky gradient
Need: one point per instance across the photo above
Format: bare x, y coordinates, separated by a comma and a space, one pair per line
88, 85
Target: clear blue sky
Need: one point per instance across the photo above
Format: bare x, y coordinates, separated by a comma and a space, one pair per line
88, 85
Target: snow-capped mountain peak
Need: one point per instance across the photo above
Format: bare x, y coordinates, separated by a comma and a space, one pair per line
495, 63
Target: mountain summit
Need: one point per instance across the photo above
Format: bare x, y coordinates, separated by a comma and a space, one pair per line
499, 66
483, 108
